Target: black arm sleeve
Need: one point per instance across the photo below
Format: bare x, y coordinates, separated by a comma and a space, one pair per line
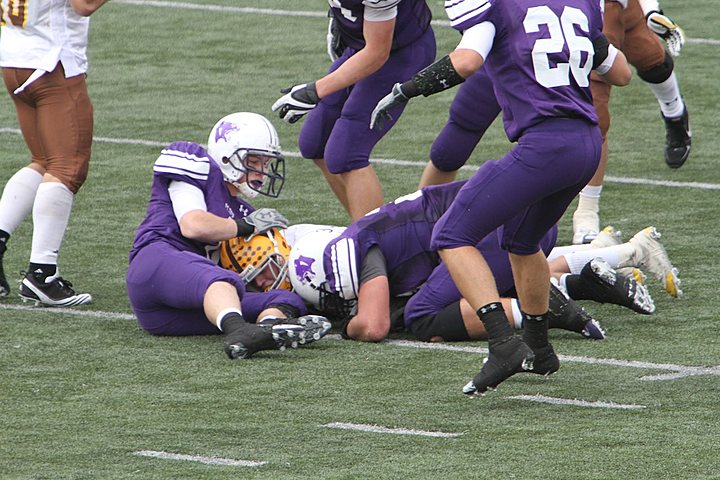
435, 78
601, 45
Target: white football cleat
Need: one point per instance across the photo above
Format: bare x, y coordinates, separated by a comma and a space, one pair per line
650, 256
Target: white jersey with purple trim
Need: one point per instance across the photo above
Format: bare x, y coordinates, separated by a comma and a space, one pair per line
38, 34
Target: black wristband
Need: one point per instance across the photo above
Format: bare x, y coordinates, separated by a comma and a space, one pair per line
244, 228
410, 89
601, 46
439, 76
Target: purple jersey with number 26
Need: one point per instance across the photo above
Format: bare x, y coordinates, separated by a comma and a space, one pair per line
541, 58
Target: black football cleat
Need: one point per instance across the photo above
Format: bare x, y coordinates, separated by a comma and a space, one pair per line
606, 286
53, 291
248, 339
314, 327
546, 362
566, 314
678, 139
506, 358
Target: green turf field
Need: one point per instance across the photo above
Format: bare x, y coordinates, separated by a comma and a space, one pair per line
85, 393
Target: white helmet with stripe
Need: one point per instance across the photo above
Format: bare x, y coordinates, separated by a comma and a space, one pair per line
246, 147
333, 291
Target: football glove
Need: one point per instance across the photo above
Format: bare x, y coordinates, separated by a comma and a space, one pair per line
666, 28
264, 219
335, 46
297, 101
380, 113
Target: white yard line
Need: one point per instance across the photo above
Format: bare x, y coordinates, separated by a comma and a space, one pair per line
299, 13
414, 163
396, 431
673, 372
198, 458
575, 402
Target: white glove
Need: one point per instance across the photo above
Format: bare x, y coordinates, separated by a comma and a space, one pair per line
666, 28
297, 101
380, 113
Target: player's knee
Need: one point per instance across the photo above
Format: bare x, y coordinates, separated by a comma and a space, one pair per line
453, 147
310, 149
338, 166
658, 73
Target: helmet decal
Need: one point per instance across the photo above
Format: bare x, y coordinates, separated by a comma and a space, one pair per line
223, 129
304, 268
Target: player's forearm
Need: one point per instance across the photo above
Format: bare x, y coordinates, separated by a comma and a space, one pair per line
86, 8
361, 65
205, 227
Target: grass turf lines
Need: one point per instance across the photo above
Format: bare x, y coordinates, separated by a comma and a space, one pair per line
89, 395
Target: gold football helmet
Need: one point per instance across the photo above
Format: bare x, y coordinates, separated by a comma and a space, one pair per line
251, 257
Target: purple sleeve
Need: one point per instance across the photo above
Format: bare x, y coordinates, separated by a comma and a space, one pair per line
463, 14
185, 162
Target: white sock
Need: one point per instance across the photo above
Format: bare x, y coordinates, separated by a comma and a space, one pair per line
562, 283
516, 313
668, 96
589, 198
51, 213
566, 250
18, 197
614, 256
221, 316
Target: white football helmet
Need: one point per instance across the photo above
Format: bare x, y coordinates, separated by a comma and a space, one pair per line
337, 293
236, 138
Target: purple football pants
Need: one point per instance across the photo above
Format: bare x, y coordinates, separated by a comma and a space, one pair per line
439, 290
526, 191
167, 287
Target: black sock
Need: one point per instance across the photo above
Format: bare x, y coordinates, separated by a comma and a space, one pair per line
42, 270
232, 321
535, 330
495, 321
577, 288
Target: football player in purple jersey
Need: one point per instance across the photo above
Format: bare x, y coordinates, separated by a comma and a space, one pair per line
175, 288
540, 58
377, 43
381, 268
